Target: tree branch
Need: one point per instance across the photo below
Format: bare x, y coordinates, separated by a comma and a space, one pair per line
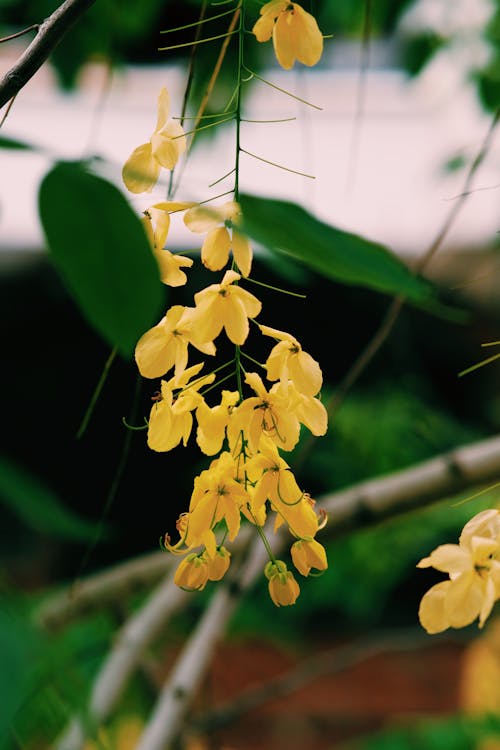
50, 33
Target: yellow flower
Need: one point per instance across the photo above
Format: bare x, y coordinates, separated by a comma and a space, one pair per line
212, 422
219, 241
295, 33
216, 496
157, 223
166, 345
225, 305
219, 564
170, 420
274, 481
142, 169
267, 414
192, 573
307, 554
287, 361
283, 588
474, 572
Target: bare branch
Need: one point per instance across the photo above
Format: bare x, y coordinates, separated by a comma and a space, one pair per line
50, 33
102, 589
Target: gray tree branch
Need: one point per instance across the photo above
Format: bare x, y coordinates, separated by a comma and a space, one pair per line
49, 34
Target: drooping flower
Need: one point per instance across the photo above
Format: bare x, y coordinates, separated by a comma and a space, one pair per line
212, 422
307, 554
220, 223
287, 362
283, 588
142, 169
295, 33
170, 420
474, 569
156, 222
166, 345
225, 305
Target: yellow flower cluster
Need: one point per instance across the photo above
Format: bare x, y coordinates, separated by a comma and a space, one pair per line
473, 566
248, 479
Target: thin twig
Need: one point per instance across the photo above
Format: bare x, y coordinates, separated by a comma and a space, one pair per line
50, 32
33, 27
329, 662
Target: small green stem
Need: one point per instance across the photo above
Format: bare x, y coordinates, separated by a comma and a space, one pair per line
276, 288
97, 393
260, 532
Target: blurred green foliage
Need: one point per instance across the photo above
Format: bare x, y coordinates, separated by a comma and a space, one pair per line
455, 733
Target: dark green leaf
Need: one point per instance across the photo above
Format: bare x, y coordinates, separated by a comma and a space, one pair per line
342, 256
38, 507
14, 144
15, 671
100, 248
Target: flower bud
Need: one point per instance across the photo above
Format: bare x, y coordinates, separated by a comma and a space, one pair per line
283, 588
192, 573
218, 565
307, 554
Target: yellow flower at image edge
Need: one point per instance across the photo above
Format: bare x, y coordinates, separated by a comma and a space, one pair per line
142, 169
474, 570
295, 33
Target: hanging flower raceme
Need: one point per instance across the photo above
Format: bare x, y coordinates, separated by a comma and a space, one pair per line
295, 33
142, 169
220, 224
474, 569
156, 223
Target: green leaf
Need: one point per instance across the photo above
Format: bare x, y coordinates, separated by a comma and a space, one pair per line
39, 507
100, 248
14, 144
15, 637
287, 228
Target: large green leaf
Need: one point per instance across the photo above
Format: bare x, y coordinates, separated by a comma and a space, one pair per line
16, 643
342, 256
38, 506
14, 144
100, 248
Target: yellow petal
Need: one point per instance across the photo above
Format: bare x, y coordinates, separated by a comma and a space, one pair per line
153, 355
140, 171
201, 219
163, 109
464, 599
235, 321
242, 253
284, 41
215, 249
164, 150
309, 38
305, 373
264, 26
448, 558
252, 305
175, 132
431, 612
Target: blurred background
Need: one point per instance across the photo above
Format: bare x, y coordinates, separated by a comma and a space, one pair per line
407, 91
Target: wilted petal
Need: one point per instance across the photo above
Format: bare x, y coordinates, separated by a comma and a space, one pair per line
164, 150
163, 109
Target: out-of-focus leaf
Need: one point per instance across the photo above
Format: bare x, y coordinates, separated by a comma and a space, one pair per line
14, 144
15, 671
38, 507
100, 248
287, 228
